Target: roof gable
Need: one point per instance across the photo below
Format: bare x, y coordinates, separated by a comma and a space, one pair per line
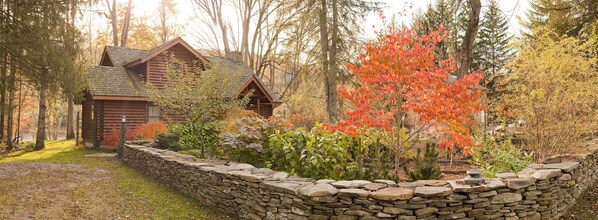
160, 49
261, 87
118, 56
105, 60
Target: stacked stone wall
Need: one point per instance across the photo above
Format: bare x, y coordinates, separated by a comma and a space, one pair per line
541, 191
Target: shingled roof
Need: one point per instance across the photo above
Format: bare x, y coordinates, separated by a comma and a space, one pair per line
121, 55
115, 81
118, 81
236, 66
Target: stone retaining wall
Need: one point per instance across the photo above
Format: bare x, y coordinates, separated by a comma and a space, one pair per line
541, 191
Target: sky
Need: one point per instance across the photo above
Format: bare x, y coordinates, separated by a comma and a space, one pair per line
511, 9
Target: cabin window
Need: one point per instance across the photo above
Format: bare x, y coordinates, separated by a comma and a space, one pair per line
154, 113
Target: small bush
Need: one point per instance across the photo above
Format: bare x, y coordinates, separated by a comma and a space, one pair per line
150, 129
168, 140
425, 167
29, 145
494, 157
199, 136
112, 138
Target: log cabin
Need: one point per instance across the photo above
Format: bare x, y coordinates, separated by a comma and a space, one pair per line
116, 87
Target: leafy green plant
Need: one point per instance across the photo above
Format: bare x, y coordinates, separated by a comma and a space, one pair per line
316, 153
425, 167
168, 140
319, 153
494, 157
204, 137
372, 156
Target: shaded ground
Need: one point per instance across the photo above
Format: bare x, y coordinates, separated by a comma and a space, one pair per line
586, 206
61, 183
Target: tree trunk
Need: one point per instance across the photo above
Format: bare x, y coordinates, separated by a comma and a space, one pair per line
11, 98
223, 28
20, 108
3, 92
331, 94
41, 119
163, 18
466, 49
70, 132
325, 47
125, 35
112, 11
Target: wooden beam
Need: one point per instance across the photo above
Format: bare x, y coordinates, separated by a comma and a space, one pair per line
119, 98
258, 107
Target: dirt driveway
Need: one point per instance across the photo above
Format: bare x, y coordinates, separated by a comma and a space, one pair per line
46, 190
62, 182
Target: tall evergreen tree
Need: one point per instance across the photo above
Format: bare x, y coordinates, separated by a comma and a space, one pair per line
442, 13
460, 19
562, 17
493, 44
493, 50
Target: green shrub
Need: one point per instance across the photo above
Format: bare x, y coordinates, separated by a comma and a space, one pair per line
168, 140
319, 154
494, 157
371, 155
199, 136
29, 145
425, 167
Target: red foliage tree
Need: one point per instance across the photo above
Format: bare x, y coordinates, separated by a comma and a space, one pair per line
400, 77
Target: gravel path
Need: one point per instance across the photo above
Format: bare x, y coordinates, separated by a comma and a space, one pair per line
44, 190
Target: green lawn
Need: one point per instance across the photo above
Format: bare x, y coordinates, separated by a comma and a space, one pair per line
124, 193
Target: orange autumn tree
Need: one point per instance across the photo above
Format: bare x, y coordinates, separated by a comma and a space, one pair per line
401, 79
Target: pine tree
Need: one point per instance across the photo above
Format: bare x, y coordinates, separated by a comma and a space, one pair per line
442, 13
493, 49
562, 17
454, 17
493, 43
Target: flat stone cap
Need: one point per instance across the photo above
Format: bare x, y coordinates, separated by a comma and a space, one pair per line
320, 189
346, 184
565, 167
491, 184
392, 194
431, 191
546, 174
284, 187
